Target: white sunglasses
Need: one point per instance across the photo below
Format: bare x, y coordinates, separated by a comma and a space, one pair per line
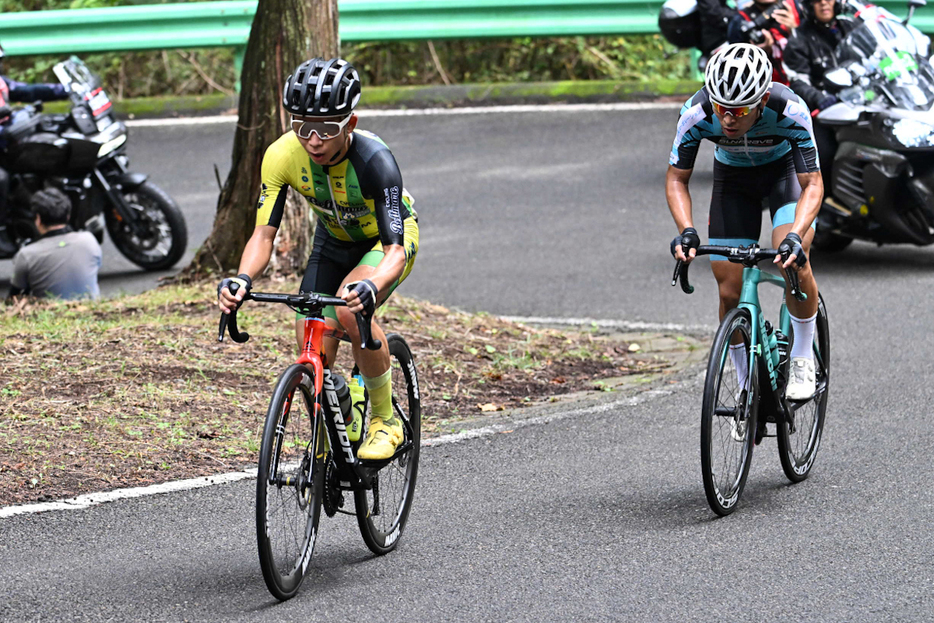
324, 129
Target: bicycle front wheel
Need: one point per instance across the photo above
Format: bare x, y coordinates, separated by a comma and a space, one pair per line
728, 414
799, 440
382, 510
289, 483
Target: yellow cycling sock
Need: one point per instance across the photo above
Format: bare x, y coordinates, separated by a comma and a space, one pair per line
380, 390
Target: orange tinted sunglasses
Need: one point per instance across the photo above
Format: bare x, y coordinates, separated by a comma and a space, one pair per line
736, 111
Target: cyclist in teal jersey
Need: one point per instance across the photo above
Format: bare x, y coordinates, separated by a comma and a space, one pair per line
765, 152
367, 235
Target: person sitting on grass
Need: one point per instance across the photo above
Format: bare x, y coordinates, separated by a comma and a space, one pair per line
62, 263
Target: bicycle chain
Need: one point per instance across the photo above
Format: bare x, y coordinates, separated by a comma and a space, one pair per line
333, 496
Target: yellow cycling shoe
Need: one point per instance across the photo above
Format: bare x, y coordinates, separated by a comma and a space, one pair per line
382, 438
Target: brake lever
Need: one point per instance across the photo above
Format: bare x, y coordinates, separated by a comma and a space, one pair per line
228, 322
366, 335
794, 285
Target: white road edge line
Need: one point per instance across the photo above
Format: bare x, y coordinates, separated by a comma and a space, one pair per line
94, 499
421, 112
625, 325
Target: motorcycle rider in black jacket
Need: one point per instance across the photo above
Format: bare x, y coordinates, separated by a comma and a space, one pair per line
13, 91
808, 57
714, 17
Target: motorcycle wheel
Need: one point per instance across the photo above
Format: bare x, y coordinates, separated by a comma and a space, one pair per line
166, 235
829, 242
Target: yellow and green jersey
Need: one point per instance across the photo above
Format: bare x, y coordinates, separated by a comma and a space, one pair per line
358, 199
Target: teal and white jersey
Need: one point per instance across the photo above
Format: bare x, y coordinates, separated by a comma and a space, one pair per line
785, 125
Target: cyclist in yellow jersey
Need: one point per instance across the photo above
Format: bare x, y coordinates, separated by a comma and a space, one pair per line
367, 235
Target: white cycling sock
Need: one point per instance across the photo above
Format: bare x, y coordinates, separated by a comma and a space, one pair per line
740, 360
803, 331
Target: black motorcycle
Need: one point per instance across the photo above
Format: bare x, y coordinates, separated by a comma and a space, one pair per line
882, 181
83, 153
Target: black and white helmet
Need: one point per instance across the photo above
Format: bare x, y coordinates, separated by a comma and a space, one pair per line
320, 88
738, 75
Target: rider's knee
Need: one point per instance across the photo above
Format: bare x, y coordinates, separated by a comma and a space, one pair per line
347, 321
729, 293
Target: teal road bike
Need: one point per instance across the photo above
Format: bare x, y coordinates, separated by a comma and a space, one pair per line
736, 416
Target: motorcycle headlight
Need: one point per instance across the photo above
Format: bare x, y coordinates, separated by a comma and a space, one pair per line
912, 133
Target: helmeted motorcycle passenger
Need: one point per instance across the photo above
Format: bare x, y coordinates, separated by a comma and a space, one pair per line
15, 91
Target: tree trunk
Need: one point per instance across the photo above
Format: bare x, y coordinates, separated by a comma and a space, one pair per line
284, 34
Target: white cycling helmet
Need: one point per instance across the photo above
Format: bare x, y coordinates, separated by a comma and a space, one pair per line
738, 75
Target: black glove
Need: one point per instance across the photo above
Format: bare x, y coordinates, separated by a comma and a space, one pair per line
242, 280
827, 102
791, 245
688, 239
367, 292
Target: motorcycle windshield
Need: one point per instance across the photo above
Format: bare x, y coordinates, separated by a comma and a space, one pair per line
888, 52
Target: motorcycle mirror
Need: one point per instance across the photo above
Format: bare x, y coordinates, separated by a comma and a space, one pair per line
839, 77
916, 4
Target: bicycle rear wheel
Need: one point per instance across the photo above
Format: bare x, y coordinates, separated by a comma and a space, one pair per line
728, 415
799, 441
289, 482
382, 511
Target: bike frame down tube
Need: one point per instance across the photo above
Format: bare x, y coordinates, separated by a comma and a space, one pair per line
314, 332
749, 300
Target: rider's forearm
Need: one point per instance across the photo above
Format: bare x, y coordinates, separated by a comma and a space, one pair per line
257, 252
679, 200
808, 205
390, 268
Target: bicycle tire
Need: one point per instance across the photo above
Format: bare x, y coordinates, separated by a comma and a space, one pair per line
394, 484
290, 482
728, 423
797, 449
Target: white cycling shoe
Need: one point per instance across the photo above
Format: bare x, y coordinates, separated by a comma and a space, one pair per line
801, 381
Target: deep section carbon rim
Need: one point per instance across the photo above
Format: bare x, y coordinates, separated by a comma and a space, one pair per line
289, 483
383, 510
728, 422
798, 447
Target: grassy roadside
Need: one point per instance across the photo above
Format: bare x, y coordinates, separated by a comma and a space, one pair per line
570, 91
137, 390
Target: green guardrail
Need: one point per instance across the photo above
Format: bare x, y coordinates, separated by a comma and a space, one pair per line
227, 23
220, 24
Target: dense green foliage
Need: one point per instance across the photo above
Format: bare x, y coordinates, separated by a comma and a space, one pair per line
202, 71
519, 60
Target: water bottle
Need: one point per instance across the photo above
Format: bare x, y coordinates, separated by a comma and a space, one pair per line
772, 339
343, 395
782, 348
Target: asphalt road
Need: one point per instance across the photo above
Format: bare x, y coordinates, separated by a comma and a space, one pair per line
600, 517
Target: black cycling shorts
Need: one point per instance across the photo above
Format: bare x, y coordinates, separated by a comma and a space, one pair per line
331, 261
740, 194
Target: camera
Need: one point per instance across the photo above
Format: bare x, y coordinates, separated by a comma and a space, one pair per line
752, 30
